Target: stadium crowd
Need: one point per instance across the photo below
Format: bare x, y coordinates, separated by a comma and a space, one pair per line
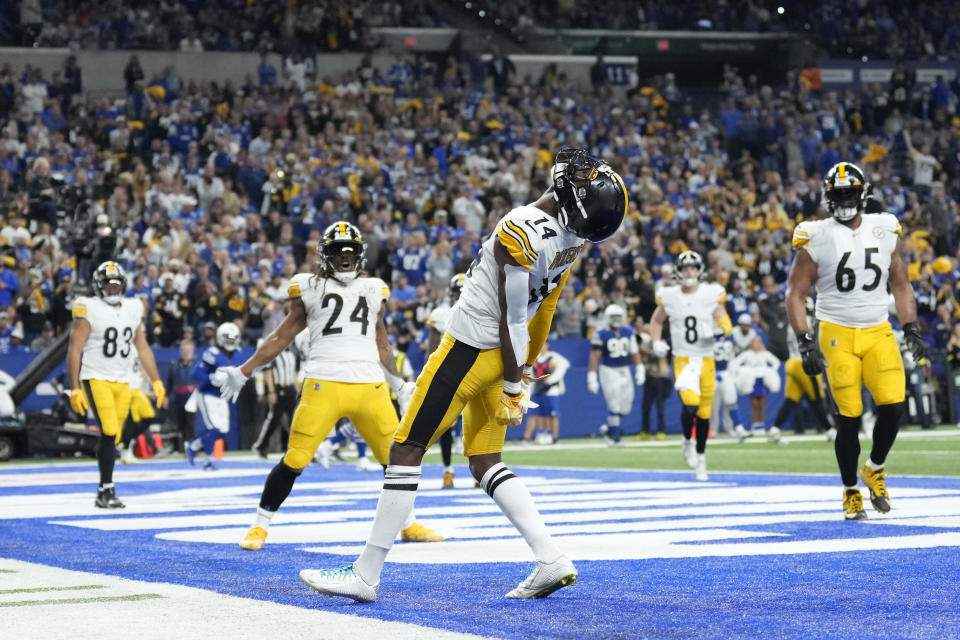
212, 195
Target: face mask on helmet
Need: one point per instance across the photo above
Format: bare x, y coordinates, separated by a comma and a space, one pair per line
343, 259
844, 189
844, 203
110, 282
689, 268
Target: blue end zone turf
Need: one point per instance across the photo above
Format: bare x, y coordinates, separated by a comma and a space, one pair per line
659, 555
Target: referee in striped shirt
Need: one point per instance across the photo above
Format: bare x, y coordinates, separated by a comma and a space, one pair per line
280, 381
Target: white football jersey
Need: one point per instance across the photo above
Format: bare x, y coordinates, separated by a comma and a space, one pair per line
109, 351
539, 244
342, 319
852, 267
691, 317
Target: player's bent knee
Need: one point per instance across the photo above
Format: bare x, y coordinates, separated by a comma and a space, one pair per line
297, 459
406, 454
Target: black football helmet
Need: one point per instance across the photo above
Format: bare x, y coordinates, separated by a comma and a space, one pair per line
844, 191
341, 251
110, 273
592, 197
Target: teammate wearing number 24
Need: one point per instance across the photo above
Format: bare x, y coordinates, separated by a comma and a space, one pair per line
483, 367
850, 258
105, 339
347, 359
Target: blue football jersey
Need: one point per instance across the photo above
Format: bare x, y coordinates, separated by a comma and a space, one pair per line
211, 360
616, 345
723, 353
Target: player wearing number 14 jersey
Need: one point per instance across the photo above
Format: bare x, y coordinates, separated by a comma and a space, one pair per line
105, 339
697, 319
851, 258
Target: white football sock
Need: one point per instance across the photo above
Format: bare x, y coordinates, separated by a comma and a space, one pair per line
394, 509
263, 518
873, 465
448, 468
513, 498
196, 445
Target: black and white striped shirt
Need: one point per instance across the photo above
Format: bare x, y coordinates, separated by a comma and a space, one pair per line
285, 368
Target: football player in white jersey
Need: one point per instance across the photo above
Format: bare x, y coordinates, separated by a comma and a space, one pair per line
698, 318
437, 324
495, 332
347, 356
106, 336
851, 258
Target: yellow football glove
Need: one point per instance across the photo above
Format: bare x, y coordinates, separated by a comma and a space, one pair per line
513, 407
79, 402
159, 391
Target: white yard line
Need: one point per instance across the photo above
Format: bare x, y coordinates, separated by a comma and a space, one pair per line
40, 601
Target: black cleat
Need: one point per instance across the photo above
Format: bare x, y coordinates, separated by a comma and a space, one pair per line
107, 499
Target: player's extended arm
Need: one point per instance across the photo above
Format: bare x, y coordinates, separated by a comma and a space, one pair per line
539, 326
279, 339
723, 321
513, 293
78, 337
655, 327
433, 341
402, 388
803, 274
149, 365
903, 298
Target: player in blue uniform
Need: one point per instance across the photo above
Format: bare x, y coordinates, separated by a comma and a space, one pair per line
726, 410
613, 349
214, 411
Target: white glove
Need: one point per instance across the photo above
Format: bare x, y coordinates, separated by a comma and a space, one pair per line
661, 349
404, 394
593, 383
230, 380
640, 375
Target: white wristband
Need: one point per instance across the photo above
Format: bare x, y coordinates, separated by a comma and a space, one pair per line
513, 388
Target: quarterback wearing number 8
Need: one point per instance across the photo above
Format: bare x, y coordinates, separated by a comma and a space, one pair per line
697, 319
483, 368
851, 258
105, 340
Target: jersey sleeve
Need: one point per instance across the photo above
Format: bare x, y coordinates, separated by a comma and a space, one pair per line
720, 294
384, 289
517, 242
80, 309
803, 236
296, 286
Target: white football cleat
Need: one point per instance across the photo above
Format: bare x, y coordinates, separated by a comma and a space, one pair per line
366, 464
545, 579
774, 435
690, 452
740, 433
344, 581
127, 457
831, 434
702, 468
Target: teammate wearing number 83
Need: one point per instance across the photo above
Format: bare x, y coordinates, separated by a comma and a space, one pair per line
105, 339
697, 319
851, 257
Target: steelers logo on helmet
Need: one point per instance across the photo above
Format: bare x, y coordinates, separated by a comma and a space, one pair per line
614, 315
110, 282
341, 251
456, 286
228, 336
591, 196
685, 260
844, 191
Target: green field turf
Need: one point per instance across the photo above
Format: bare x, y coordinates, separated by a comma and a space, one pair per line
915, 453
